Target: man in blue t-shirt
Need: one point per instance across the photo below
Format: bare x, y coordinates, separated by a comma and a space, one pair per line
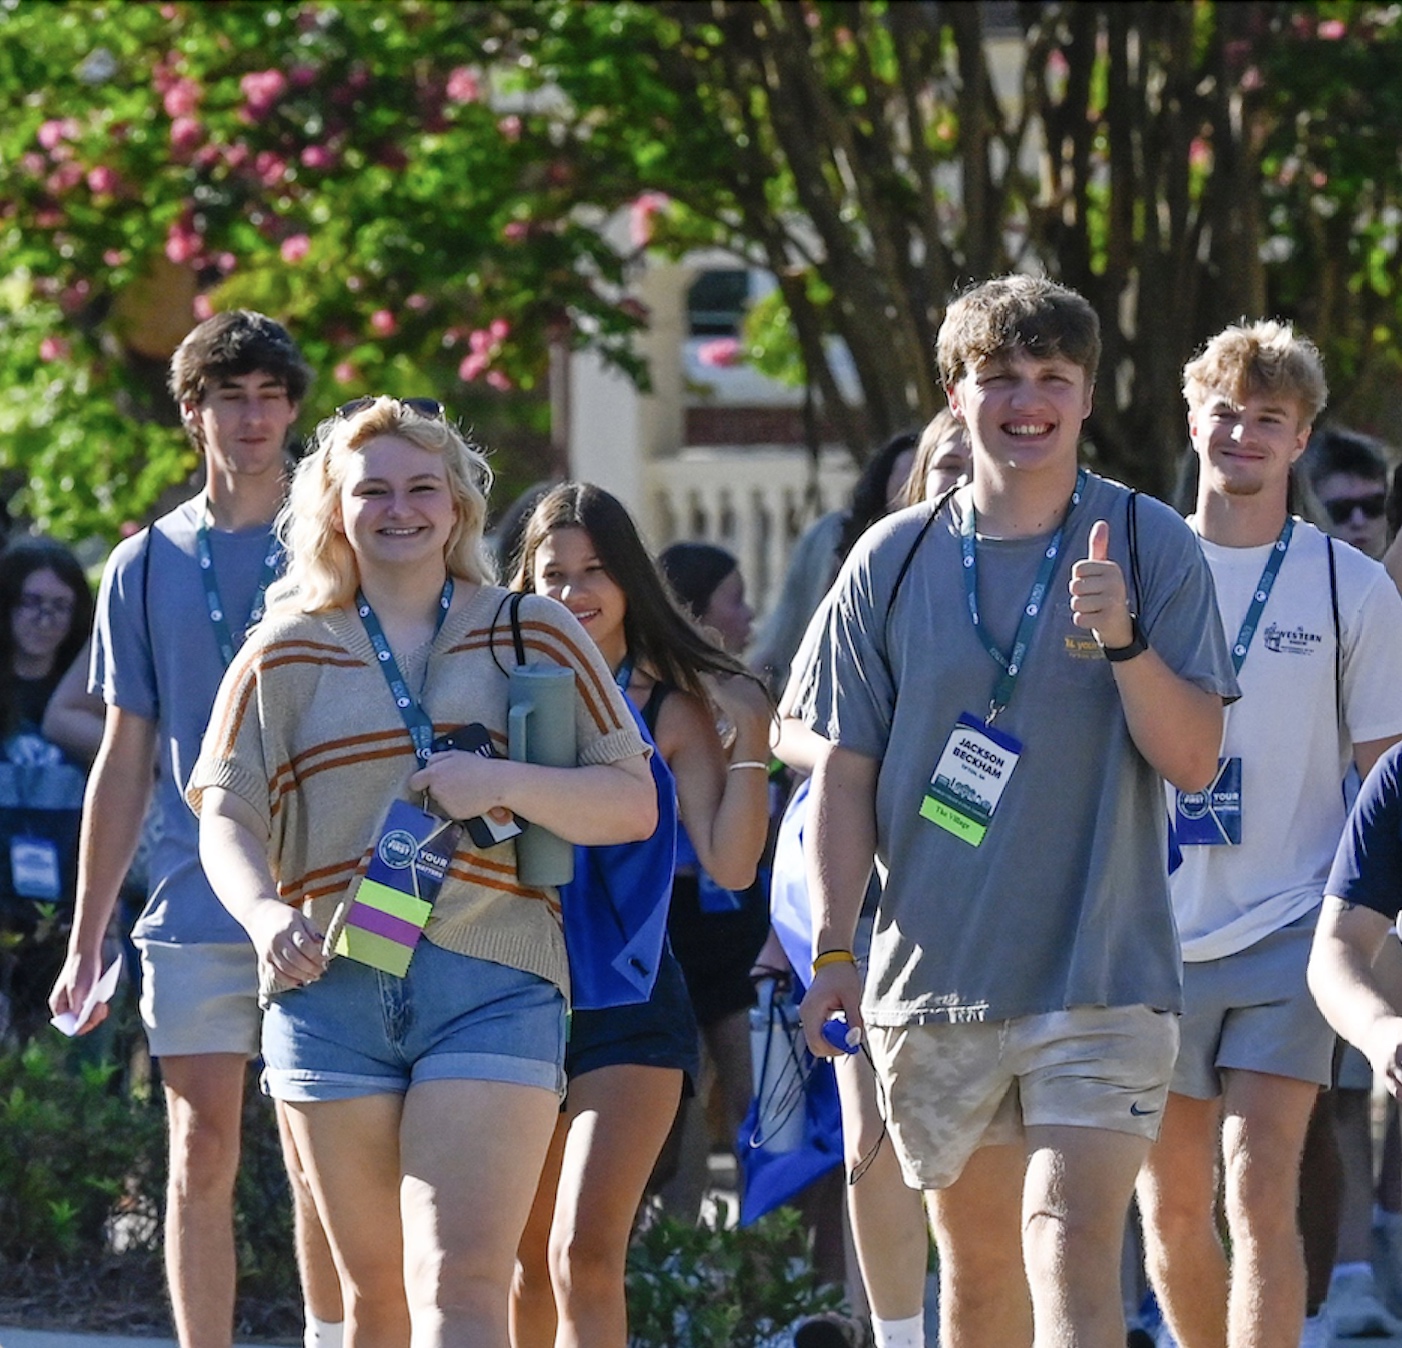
174, 605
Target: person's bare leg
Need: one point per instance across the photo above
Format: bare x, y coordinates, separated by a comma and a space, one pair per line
321, 1285
471, 1154
977, 1222
1321, 1191
204, 1107
887, 1216
1263, 1135
1178, 1206
1076, 1199
533, 1316
618, 1119
349, 1151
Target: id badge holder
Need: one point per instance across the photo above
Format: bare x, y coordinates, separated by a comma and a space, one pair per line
969, 780
392, 906
34, 869
1211, 818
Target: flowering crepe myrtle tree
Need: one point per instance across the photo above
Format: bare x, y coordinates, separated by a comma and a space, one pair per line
429, 195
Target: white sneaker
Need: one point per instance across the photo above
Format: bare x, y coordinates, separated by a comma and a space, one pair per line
1318, 1329
1356, 1309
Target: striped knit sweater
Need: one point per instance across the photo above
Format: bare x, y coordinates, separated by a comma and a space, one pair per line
305, 730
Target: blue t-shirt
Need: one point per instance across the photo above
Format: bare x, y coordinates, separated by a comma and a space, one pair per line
155, 654
1367, 868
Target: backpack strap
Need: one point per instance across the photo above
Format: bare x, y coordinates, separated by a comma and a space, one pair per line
1338, 638
903, 572
516, 639
1132, 514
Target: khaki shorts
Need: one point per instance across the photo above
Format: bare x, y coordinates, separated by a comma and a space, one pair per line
199, 998
1252, 1011
951, 1089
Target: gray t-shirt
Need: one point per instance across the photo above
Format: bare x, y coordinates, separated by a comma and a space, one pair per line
1066, 902
164, 664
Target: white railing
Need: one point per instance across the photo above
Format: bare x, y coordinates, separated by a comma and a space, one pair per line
752, 500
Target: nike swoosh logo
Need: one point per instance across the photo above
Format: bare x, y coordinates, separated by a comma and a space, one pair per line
1139, 1113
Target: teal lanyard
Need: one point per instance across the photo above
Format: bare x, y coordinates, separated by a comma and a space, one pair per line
218, 615
1263, 592
416, 720
1011, 664
623, 676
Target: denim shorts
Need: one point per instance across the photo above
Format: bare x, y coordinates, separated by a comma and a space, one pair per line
357, 1031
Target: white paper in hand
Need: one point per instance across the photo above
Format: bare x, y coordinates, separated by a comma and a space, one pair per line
102, 991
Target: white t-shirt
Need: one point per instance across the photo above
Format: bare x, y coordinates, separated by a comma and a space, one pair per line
1294, 755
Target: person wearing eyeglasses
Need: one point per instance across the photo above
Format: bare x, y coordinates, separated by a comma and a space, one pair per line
1348, 471
173, 607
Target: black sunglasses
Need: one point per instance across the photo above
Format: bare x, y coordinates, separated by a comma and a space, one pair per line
425, 407
1340, 509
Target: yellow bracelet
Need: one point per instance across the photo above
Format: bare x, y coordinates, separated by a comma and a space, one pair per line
748, 763
833, 957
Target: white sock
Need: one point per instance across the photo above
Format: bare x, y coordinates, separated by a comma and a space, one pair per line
324, 1333
899, 1333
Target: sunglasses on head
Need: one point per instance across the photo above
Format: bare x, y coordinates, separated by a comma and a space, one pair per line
1340, 509
425, 407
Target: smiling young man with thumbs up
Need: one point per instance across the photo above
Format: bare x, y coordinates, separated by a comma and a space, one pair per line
1316, 640
1007, 679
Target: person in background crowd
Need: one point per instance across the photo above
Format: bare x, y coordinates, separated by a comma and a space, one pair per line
819, 552
943, 460
420, 1078
626, 1064
174, 604
1348, 471
46, 612
716, 933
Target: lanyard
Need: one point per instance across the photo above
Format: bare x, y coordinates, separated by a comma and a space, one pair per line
416, 719
272, 564
1263, 592
623, 676
1011, 664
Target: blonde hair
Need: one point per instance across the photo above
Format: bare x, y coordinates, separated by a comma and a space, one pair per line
931, 438
1267, 357
322, 572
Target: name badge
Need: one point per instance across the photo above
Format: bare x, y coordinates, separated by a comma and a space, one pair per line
34, 869
392, 905
970, 778
1211, 818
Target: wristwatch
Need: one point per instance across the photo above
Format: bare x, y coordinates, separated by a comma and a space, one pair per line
1137, 645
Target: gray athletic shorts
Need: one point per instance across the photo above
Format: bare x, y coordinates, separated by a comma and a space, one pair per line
951, 1089
1253, 1011
199, 998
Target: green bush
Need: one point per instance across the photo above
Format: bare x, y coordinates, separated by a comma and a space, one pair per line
705, 1287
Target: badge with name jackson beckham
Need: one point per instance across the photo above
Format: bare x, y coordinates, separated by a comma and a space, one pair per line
395, 898
970, 778
1211, 818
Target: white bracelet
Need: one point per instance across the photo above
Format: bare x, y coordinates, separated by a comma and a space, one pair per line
748, 763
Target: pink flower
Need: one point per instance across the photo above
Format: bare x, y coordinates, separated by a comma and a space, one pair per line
1331, 30
345, 373
640, 216
383, 323
103, 180
64, 179
479, 341
182, 98
54, 132
263, 89
318, 157
499, 329
295, 247
1058, 67
1200, 153
302, 75
719, 354
236, 155
34, 163
472, 366
462, 86
510, 128
54, 348
271, 168
185, 134
418, 303
48, 218
114, 257
515, 230
498, 381
183, 244
202, 308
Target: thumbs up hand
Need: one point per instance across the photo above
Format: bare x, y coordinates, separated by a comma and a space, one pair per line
1098, 599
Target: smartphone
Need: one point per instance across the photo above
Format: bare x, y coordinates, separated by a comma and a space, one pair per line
475, 739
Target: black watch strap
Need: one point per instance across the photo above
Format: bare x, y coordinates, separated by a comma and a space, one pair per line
1137, 645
